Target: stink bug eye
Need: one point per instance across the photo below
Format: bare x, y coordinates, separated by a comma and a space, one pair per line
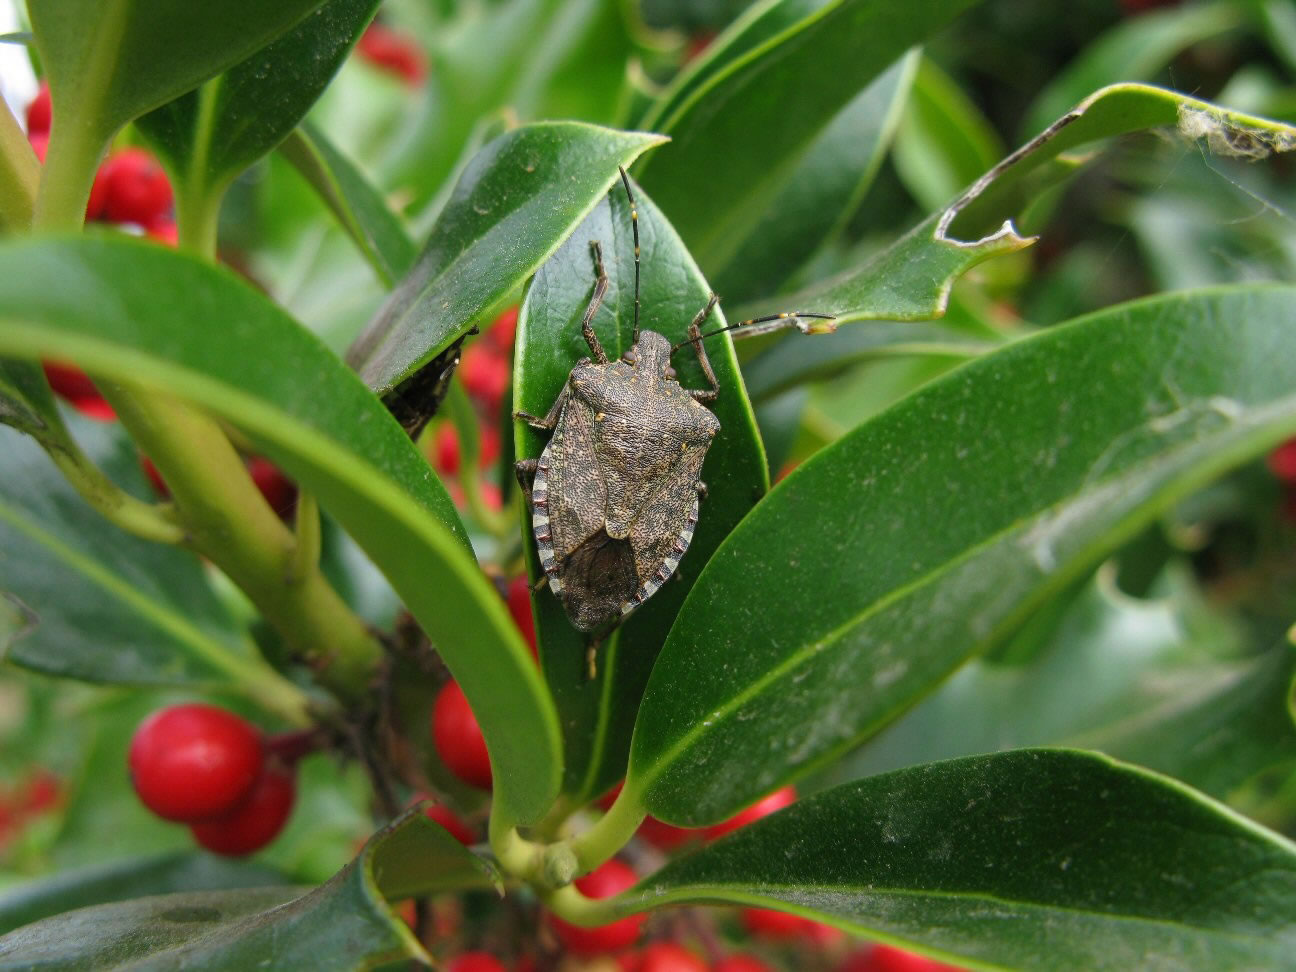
615, 494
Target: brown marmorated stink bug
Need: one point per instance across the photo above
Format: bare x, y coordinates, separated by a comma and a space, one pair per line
614, 496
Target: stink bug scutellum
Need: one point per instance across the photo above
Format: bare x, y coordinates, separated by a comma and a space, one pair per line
615, 494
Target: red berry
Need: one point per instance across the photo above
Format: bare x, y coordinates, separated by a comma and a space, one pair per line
698, 43
164, 231
278, 489
40, 111
761, 808
458, 737
485, 375
475, 962
38, 793
256, 821
137, 188
610, 878
887, 958
607, 799
195, 762
40, 144
74, 385
97, 204
503, 331
1282, 461
448, 819
489, 445
669, 957
779, 926
740, 963
445, 449
393, 51
664, 835
519, 605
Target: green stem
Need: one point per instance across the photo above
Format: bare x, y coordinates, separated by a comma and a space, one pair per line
69, 171
228, 521
612, 831
156, 522
570, 905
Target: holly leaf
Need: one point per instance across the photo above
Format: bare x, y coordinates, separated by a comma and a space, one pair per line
138, 312
1035, 461
518, 199
1026, 859
597, 714
208, 136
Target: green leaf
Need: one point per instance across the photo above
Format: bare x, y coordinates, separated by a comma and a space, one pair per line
343, 924
1182, 702
358, 206
140, 312
208, 136
516, 202
120, 881
928, 533
911, 279
417, 857
823, 190
109, 607
597, 715
944, 142
1028, 859
1134, 50
739, 135
109, 61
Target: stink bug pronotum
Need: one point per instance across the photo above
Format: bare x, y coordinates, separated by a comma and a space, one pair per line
615, 494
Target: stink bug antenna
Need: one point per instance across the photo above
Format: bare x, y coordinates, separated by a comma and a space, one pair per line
634, 225
772, 322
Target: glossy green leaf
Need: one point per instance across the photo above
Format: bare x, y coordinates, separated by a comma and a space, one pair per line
210, 135
738, 136
1033, 461
1139, 680
519, 198
1134, 50
944, 142
343, 924
120, 881
597, 715
358, 206
109, 61
136, 311
1029, 859
417, 857
911, 279
822, 191
109, 607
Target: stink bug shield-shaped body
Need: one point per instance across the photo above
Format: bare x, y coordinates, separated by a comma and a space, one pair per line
614, 495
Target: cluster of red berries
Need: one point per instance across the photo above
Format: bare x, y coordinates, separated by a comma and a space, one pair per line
207, 767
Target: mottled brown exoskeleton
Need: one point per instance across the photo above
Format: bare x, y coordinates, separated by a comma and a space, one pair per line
615, 494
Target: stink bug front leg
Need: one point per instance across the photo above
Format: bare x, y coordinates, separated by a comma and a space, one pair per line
695, 336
